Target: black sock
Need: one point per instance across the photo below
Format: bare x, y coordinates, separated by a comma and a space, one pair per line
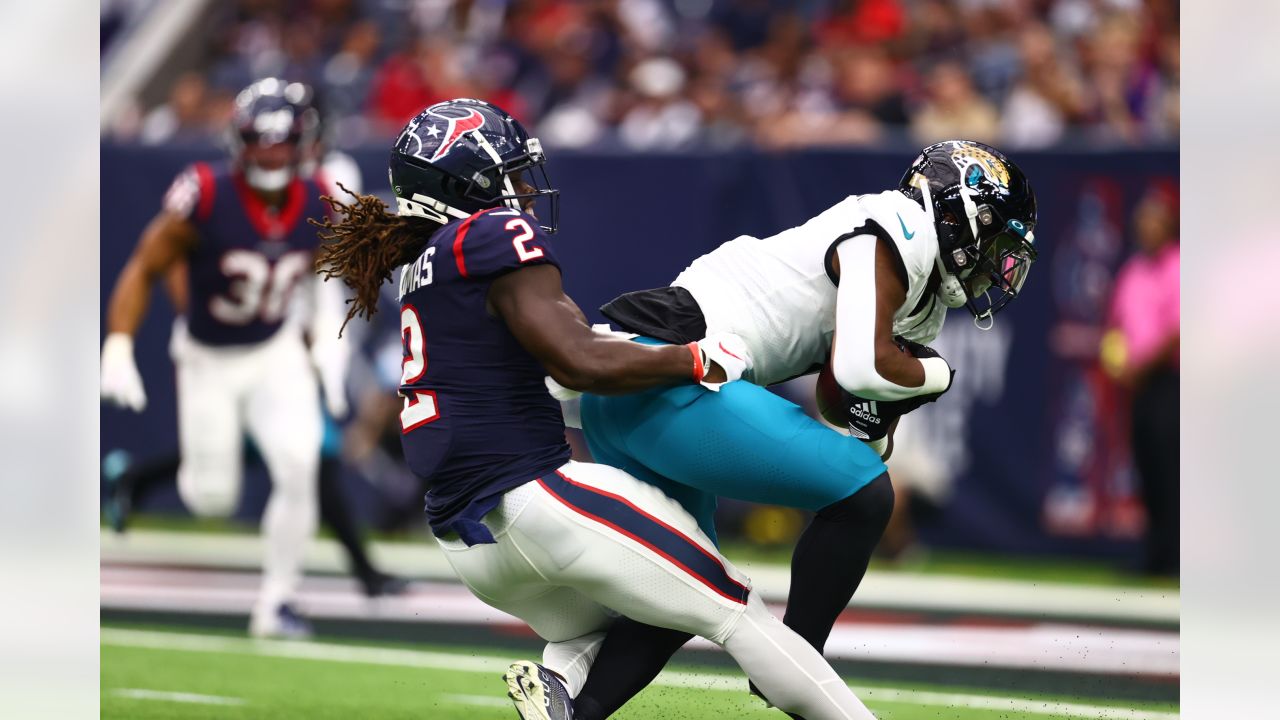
630, 658
139, 480
337, 515
831, 558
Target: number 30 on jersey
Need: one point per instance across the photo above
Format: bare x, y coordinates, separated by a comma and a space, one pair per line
419, 405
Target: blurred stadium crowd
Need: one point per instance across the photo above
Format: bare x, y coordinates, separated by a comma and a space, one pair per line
681, 74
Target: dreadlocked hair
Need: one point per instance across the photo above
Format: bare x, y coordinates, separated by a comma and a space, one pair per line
365, 247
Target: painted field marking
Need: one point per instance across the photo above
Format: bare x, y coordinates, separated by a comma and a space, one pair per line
481, 700
179, 697
362, 654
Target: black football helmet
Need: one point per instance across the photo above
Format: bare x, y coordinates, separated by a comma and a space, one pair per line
462, 156
984, 211
271, 112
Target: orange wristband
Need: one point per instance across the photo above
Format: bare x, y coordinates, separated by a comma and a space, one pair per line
699, 370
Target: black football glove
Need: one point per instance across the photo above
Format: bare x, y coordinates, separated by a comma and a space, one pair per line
870, 420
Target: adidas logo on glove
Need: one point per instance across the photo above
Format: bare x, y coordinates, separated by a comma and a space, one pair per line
866, 411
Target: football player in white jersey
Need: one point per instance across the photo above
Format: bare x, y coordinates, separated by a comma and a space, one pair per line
857, 291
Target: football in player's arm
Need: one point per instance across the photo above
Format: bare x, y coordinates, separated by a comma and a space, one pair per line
481, 290
874, 377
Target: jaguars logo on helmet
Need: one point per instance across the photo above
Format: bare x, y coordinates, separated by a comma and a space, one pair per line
462, 156
976, 163
984, 211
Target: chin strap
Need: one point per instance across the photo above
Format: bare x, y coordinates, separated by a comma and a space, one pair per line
950, 291
988, 317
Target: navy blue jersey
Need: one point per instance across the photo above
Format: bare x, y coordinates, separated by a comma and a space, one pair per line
477, 419
249, 257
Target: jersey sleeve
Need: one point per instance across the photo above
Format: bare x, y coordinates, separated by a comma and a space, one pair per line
495, 242
190, 196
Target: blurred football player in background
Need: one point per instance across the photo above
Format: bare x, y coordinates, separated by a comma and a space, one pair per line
1141, 351
129, 484
242, 365
854, 292
562, 545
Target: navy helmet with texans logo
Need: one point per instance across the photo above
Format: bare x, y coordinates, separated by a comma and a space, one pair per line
984, 210
462, 156
268, 113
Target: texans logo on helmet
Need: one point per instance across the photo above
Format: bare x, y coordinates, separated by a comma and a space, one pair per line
454, 128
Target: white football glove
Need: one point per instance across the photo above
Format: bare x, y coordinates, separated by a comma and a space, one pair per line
729, 352
121, 383
560, 392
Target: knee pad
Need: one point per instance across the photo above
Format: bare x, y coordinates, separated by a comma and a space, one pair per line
872, 504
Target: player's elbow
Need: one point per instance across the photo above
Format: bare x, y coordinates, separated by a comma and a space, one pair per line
889, 363
579, 374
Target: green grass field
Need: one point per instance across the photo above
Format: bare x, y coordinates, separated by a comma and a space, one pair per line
149, 674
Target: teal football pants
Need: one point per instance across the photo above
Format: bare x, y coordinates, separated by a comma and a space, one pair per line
743, 442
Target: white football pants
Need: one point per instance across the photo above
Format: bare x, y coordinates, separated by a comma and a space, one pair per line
270, 391
589, 541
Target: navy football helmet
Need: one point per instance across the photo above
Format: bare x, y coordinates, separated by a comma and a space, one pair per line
462, 156
274, 124
984, 211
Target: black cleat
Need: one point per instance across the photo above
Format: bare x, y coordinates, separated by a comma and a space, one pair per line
377, 584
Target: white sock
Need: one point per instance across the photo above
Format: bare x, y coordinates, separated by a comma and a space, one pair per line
288, 525
572, 659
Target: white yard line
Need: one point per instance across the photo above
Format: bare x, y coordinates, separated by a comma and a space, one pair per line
917, 591
178, 697
479, 664
480, 700
1038, 646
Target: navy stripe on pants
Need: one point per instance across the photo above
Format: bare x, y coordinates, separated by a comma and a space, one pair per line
622, 516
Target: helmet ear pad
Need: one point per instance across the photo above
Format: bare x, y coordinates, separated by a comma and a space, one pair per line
952, 239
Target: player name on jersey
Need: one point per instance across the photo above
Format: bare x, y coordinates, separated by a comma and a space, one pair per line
416, 274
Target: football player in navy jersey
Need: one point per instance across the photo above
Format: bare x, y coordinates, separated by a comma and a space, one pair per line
130, 483
241, 363
483, 318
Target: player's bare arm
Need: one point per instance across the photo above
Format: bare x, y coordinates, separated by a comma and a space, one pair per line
553, 329
166, 241
176, 286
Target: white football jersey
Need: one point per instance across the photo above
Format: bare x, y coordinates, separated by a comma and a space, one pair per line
776, 294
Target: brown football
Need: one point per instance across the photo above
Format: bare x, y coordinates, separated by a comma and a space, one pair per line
832, 400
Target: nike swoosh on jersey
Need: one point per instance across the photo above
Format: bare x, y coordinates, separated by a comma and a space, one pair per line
906, 233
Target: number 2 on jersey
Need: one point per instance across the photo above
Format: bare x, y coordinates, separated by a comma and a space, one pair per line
518, 242
419, 405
